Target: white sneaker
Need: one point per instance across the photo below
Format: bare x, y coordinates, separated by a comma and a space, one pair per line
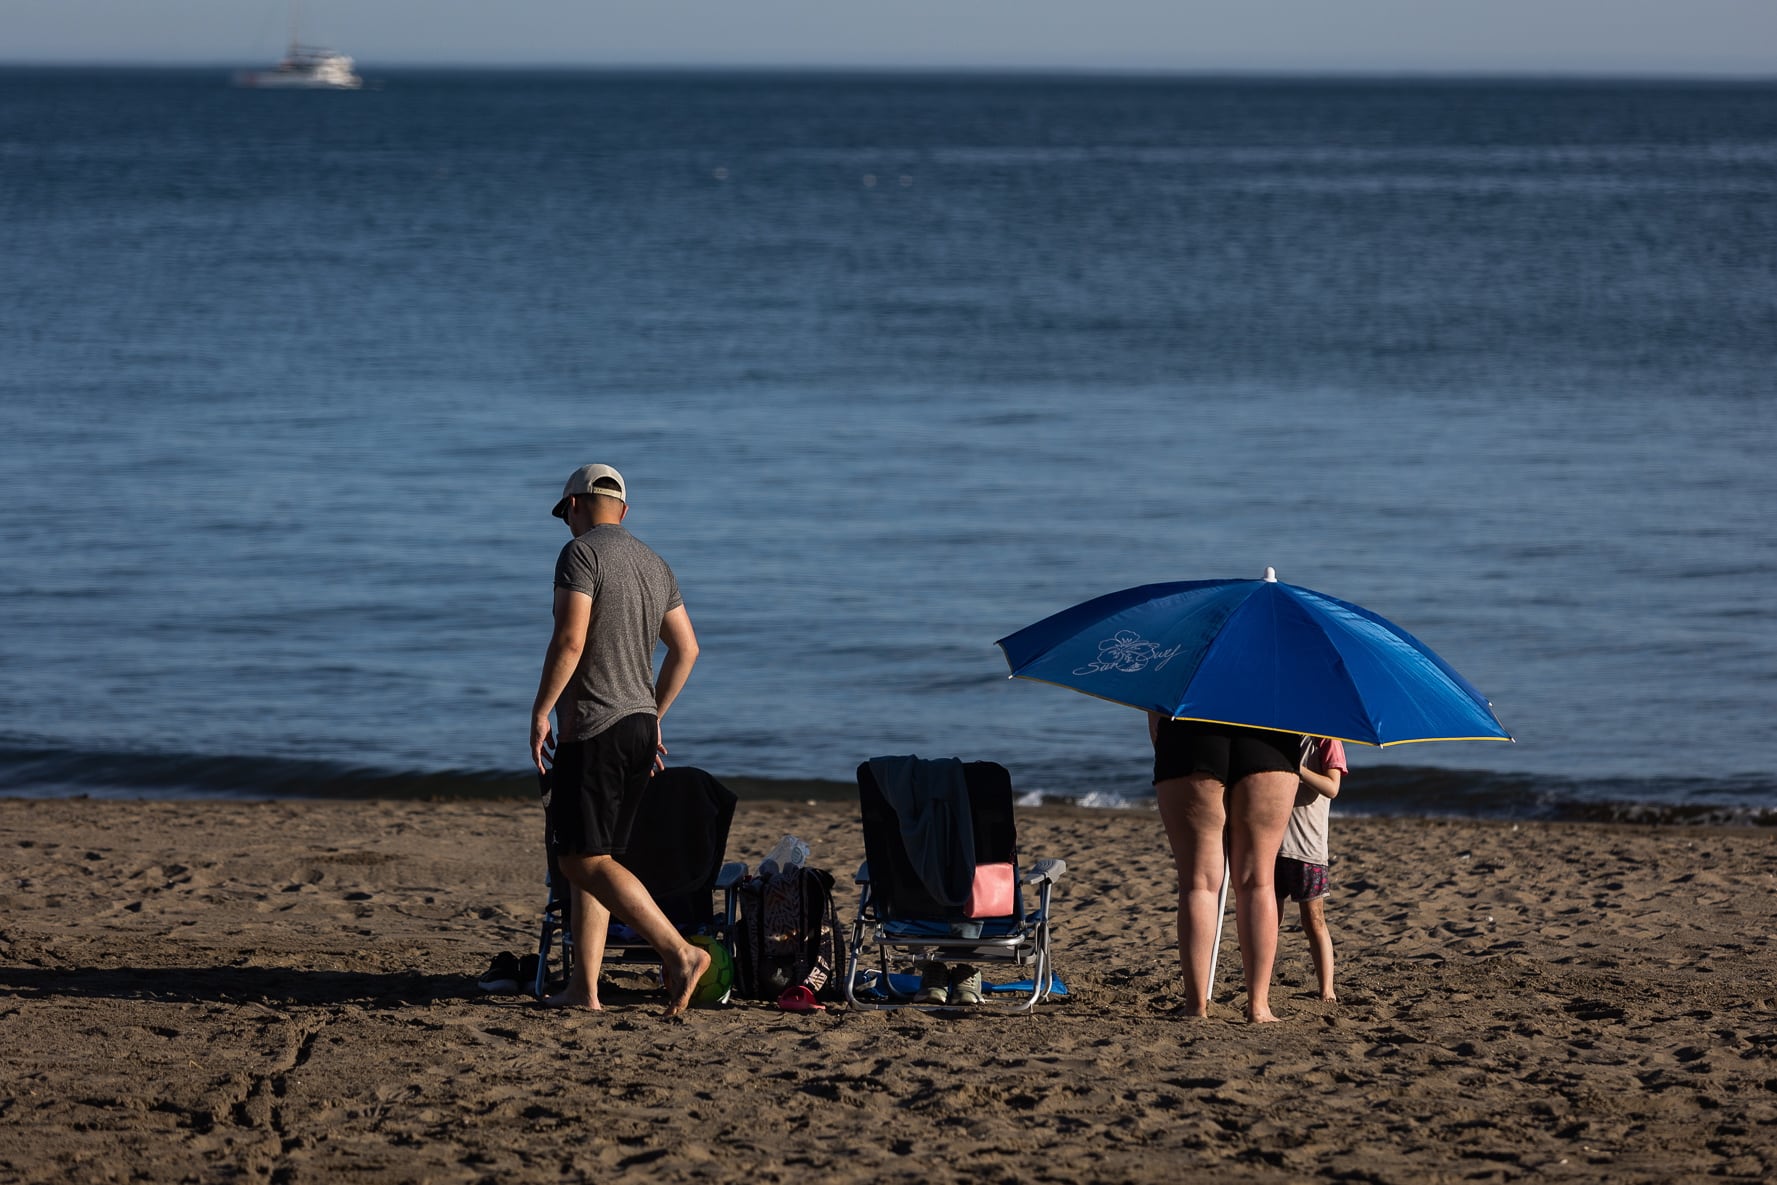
965, 986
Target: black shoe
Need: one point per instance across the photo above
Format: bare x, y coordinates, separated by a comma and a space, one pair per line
527, 974
502, 975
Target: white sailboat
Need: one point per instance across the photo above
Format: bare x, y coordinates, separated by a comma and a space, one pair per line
304, 67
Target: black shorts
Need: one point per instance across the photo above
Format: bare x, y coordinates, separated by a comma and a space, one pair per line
596, 788
1226, 752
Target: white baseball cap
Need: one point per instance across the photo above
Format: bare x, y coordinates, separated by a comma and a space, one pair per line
592, 479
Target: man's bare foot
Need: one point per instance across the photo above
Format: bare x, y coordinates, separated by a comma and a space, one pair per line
694, 962
573, 998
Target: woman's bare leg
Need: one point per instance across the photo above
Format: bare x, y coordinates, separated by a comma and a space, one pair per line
1193, 813
1258, 813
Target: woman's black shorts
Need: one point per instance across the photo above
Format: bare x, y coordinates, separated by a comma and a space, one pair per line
596, 788
1225, 752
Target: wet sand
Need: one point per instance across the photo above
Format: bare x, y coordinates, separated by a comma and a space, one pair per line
204, 991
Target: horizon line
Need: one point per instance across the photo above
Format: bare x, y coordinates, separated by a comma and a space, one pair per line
1183, 73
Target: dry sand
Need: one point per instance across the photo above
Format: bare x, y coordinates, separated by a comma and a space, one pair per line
285, 991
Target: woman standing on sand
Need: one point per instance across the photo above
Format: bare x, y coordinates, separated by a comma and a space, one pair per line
1207, 778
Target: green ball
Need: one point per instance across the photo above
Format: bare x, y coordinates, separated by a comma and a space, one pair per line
717, 981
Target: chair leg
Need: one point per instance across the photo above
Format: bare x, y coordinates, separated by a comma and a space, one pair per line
546, 941
545, 947
556, 918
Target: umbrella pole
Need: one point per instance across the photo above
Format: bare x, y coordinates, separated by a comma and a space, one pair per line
1215, 953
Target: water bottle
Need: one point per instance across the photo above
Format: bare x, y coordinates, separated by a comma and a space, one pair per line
789, 852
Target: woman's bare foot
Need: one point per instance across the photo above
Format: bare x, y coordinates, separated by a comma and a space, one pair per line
573, 998
693, 963
1329, 998
1261, 1015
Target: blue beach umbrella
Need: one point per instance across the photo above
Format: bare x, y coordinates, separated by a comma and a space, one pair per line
1257, 653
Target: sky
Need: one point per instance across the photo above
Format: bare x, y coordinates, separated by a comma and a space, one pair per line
1586, 37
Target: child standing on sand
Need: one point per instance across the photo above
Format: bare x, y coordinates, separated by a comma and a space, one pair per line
1302, 860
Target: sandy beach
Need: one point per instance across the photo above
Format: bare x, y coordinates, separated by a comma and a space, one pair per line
222, 991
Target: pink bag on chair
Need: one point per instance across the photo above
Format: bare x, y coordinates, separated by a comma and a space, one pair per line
991, 895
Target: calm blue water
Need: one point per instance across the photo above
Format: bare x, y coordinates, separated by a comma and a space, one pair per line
894, 366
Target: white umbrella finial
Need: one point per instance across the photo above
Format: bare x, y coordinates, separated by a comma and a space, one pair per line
1270, 575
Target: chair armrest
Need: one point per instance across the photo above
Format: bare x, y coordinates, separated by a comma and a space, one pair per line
1044, 870
732, 874
863, 876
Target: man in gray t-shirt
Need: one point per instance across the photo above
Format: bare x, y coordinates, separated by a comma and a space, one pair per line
634, 591
614, 598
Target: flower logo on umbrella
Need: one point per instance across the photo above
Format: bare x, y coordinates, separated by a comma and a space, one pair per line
1127, 652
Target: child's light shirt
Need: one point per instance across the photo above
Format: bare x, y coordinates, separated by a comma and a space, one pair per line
1306, 837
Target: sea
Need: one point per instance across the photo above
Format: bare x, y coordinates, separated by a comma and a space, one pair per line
894, 364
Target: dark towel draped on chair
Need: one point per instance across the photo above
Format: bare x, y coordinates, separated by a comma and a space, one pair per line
676, 849
901, 917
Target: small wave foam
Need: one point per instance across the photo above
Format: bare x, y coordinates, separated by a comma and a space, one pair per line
1108, 800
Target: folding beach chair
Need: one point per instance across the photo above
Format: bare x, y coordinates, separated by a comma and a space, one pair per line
681, 834
905, 918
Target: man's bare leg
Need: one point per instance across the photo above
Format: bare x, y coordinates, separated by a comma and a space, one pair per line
617, 890
1259, 812
1192, 811
1320, 945
589, 922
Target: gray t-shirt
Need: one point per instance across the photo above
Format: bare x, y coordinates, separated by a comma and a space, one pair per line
1306, 837
632, 591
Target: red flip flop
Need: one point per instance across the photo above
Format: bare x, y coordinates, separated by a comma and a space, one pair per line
799, 999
